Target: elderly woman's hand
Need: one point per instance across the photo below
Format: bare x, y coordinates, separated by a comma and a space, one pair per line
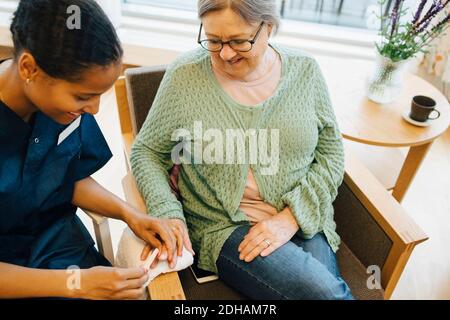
268, 235
182, 235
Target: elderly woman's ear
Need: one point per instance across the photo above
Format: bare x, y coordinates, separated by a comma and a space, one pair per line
269, 29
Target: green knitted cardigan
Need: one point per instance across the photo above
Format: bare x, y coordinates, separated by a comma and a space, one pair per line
311, 155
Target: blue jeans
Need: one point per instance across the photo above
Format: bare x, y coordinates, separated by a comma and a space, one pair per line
300, 269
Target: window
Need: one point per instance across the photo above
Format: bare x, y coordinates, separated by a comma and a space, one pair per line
359, 14
190, 5
348, 13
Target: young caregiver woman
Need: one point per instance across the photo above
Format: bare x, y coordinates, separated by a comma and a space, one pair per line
50, 145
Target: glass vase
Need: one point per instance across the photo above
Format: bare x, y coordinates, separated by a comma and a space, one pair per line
386, 82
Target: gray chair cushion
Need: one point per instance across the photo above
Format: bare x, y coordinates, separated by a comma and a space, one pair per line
359, 230
354, 273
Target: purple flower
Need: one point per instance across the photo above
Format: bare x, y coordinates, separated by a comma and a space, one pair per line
419, 11
403, 41
395, 15
435, 8
424, 26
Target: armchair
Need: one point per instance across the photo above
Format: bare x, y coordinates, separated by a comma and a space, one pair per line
376, 232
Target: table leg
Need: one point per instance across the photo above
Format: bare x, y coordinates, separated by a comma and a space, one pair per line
411, 165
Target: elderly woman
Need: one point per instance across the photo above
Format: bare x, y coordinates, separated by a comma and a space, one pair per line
264, 224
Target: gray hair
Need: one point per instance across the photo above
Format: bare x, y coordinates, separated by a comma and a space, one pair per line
252, 11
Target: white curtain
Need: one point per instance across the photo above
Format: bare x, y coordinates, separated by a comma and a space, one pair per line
435, 65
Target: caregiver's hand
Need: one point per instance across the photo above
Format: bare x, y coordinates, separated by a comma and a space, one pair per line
102, 283
153, 230
182, 240
182, 235
268, 235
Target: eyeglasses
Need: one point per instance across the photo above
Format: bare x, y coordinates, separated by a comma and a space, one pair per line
236, 44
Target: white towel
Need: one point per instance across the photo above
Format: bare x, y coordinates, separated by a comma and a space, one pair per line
129, 256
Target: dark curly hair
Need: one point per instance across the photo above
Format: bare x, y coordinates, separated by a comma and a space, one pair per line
40, 27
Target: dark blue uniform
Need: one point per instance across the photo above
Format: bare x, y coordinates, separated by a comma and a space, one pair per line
38, 224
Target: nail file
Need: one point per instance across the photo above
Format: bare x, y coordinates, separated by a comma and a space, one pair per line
148, 262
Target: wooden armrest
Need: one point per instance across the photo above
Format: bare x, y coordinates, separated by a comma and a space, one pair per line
390, 216
166, 286
127, 139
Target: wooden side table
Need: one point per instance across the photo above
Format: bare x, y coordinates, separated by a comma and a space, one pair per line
378, 128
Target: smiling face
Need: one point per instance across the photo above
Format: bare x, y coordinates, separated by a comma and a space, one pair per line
64, 101
226, 25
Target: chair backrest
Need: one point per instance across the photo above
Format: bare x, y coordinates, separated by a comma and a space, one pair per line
5, 53
142, 84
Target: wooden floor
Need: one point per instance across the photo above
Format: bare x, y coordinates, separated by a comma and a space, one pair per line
427, 274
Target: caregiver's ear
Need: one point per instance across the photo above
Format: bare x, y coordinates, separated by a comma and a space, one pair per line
27, 66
